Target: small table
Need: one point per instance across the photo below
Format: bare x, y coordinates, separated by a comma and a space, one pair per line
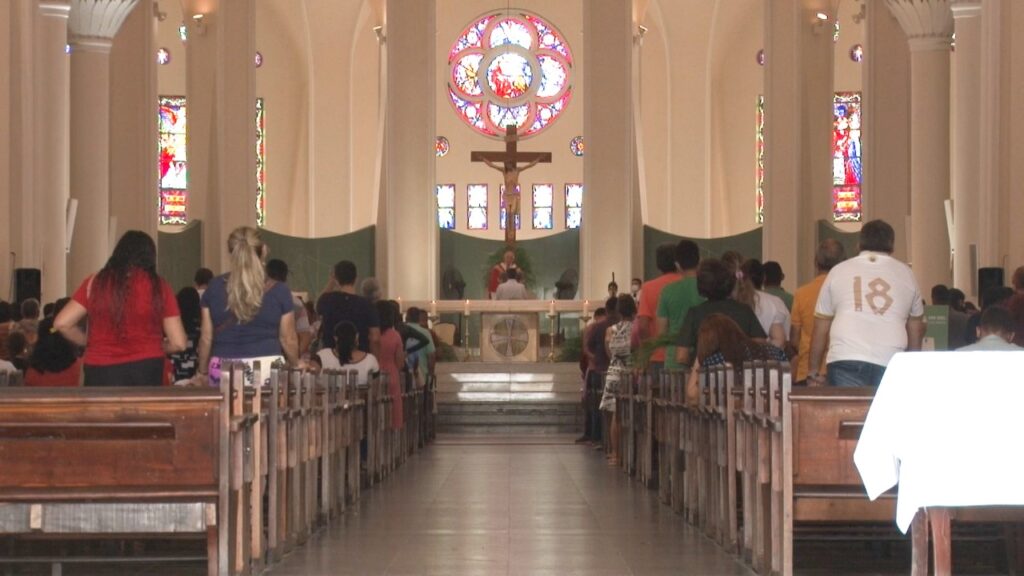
946, 428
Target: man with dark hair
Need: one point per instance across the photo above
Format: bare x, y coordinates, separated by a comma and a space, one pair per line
511, 288
940, 295
957, 328
341, 303
993, 296
773, 278
202, 279
277, 270
996, 332
869, 309
650, 294
598, 354
585, 368
829, 253
678, 297
426, 356
715, 281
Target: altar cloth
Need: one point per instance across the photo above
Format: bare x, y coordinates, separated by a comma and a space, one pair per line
948, 429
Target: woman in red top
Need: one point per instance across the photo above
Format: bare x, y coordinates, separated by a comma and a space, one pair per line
131, 309
53, 361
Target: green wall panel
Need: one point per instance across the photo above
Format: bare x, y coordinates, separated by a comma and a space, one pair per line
849, 240
748, 244
310, 259
180, 254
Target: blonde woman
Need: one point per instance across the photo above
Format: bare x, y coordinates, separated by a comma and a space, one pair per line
246, 316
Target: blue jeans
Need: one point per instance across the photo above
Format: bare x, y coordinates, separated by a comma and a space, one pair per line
854, 373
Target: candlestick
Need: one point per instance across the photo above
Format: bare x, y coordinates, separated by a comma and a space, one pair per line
433, 307
551, 308
465, 309
586, 307
399, 303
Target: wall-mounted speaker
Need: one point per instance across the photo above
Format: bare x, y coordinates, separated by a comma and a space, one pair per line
989, 277
27, 284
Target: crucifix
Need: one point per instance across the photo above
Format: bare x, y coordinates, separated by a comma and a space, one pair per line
507, 163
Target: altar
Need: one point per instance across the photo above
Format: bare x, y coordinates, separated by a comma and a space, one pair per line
506, 331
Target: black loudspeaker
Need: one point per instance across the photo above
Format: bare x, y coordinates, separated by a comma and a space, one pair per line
987, 278
27, 284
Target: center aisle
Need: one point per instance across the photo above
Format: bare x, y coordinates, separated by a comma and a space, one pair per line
509, 509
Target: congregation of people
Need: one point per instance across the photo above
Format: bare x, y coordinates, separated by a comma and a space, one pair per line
124, 326
839, 329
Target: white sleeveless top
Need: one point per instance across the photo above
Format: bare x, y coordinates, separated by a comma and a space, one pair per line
364, 367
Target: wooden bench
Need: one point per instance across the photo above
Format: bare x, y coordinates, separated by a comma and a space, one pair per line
115, 461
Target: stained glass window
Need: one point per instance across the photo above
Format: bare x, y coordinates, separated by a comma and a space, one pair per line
857, 53
183, 32
576, 146
510, 69
261, 165
258, 59
846, 157
173, 161
446, 206
573, 205
163, 56
519, 217
543, 213
759, 167
441, 146
477, 202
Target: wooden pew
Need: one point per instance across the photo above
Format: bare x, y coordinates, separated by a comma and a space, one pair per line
11, 379
116, 461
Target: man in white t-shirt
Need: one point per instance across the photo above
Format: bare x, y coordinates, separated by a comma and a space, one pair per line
511, 289
869, 309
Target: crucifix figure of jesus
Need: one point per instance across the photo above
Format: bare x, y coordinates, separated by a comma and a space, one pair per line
508, 163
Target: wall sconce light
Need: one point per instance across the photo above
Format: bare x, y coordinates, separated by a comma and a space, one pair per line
378, 31
160, 16
200, 22
820, 22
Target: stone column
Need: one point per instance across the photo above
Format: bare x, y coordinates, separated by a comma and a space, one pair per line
886, 187
928, 25
50, 152
91, 28
610, 200
967, 142
411, 235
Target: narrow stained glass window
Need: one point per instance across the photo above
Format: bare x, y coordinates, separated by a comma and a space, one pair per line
445, 206
261, 165
543, 216
573, 205
759, 167
477, 203
173, 161
519, 217
847, 171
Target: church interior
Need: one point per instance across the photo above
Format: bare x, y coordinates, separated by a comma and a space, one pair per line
352, 129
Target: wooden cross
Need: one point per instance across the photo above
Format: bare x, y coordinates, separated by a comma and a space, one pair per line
507, 163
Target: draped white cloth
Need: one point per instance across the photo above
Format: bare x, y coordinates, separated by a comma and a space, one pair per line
948, 429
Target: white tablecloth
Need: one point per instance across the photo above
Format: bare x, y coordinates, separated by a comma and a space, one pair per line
948, 428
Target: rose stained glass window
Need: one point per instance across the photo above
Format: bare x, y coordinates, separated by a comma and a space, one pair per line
519, 217
441, 146
173, 160
163, 56
446, 206
543, 213
261, 165
477, 203
759, 166
847, 170
576, 146
510, 69
573, 205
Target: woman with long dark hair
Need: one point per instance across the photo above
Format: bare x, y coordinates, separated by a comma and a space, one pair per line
392, 356
54, 361
346, 354
133, 318
184, 363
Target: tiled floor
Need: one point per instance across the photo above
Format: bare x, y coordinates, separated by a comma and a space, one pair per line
509, 509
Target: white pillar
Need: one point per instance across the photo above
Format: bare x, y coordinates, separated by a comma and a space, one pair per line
929, 28
886, 187
50, 153
410, 236
92, 26
610, 200
966, 146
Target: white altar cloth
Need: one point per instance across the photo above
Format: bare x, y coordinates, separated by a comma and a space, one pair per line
948, 428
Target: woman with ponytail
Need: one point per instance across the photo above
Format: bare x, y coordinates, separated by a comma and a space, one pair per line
246, 317
133, 318
346, 354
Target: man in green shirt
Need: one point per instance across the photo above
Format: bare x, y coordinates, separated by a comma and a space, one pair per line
415, 318
677, 298
773, 278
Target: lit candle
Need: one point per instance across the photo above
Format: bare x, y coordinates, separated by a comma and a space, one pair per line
586, 307
551, 308
399, 303
433, 307
465, 309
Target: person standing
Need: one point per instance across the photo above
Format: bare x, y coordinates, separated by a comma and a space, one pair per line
247, 316
870, 308
340, 303
511, 288
650, 293
829, 253
392, 357
508, 262
773, 278
619, 346
599, 361
677, 298
134, 321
